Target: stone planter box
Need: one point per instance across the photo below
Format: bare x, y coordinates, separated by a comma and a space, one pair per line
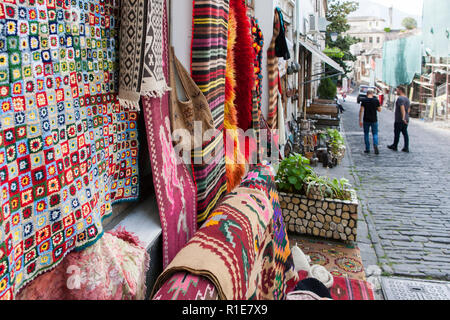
327, 218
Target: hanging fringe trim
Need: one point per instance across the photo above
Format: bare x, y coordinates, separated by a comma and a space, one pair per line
130, 99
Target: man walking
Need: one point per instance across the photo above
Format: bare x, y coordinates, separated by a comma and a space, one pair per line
402, 107
369, 108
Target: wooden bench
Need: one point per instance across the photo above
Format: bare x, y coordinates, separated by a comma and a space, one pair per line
323, 101
323, 109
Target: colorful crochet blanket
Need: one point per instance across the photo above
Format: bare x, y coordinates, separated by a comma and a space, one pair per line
208, 65
68, 150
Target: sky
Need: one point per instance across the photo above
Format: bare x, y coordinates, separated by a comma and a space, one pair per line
409, 6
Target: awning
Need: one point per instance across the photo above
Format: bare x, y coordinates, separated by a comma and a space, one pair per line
321, 55
423, 84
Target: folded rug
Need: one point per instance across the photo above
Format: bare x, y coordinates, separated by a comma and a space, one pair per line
351, 289
343, 288
141, 62
114, 268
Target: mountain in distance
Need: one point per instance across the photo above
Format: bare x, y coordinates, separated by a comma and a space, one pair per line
373, 9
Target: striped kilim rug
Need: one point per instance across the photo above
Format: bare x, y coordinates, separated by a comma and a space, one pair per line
208, 64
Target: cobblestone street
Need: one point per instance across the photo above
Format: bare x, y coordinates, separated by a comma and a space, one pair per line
405, 198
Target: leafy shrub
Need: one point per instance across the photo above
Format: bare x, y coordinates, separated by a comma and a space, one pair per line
292, 172
327, 89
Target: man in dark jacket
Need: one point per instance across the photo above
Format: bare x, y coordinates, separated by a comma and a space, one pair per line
369, 108
402, 107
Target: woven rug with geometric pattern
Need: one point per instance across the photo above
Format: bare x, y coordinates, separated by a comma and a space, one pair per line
340, 259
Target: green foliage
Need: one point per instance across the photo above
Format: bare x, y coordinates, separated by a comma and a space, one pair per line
409, 23
336, 140
329, 188
334, 52
292, 172
387, 29
327, 89
337, 13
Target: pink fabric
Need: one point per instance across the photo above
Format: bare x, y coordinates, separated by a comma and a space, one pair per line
185, 286
111, 269
175, 190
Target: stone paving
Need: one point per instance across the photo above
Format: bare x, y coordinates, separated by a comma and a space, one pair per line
405, 198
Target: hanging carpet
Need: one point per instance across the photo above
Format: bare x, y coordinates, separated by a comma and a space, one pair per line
208, 64
243, 61
273, 75
141, 65
258, 44
234, 159
68, 150
174, 187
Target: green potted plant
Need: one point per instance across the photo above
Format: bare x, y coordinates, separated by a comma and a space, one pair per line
336, 144
321, 187
316, 205
292, 172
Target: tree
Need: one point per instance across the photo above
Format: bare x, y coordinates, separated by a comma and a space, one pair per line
409, 23
338, 10
327, 89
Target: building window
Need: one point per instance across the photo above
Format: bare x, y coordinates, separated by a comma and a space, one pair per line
370, 39
378, 39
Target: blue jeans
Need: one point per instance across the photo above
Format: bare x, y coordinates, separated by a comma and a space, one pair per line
367, 126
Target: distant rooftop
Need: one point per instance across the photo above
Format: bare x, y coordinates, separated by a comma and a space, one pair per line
365, 18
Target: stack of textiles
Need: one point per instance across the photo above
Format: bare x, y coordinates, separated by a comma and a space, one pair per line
242, 248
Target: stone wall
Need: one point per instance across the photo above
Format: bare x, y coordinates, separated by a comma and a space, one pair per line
328, 218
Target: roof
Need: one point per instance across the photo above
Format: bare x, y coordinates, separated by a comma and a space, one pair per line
321, 55
365, 18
